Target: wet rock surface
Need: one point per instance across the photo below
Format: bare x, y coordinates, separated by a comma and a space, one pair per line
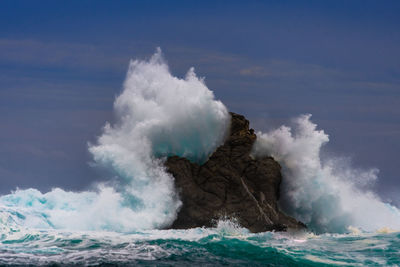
231, 184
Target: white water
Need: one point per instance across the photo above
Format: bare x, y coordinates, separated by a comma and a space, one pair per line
329, 195
226, 244
157, 115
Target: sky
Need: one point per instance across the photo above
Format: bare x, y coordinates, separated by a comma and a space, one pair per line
63, 63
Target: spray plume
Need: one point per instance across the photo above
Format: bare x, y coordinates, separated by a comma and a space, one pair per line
326, 195
158, 115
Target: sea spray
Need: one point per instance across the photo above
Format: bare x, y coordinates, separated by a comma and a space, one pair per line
157, 115
326, 195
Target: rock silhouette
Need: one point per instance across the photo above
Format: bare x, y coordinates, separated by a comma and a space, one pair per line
231, 184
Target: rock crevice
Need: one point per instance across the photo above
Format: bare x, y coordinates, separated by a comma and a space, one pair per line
231, 184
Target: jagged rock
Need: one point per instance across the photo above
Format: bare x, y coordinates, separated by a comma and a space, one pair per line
231, 184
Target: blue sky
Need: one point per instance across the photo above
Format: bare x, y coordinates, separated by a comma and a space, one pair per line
62, 64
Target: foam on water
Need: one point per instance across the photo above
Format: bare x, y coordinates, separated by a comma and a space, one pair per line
226, 244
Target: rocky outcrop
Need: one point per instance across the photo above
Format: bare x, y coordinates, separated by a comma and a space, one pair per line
231, 184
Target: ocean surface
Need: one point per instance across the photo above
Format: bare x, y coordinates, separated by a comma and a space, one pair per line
227, 244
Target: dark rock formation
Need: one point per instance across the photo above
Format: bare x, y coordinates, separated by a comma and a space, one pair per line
231, 183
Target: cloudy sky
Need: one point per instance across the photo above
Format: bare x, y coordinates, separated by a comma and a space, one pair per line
63, 63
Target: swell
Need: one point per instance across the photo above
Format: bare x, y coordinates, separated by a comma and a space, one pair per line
227, 244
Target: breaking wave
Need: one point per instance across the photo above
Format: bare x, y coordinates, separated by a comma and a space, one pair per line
157, 115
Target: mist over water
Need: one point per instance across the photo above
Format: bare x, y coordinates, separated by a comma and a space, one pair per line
329, 195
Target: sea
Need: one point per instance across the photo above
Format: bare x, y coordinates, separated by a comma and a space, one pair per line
225, 245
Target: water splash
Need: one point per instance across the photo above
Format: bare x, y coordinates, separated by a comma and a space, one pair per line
326, 195
157, 115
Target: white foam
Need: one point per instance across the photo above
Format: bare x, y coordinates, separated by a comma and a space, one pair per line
327, 195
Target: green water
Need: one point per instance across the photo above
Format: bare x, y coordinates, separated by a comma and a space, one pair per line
225, 245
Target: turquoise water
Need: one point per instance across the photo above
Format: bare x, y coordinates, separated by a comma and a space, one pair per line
227, 244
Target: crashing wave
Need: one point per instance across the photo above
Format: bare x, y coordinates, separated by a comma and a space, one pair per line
326, 195
157, 115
